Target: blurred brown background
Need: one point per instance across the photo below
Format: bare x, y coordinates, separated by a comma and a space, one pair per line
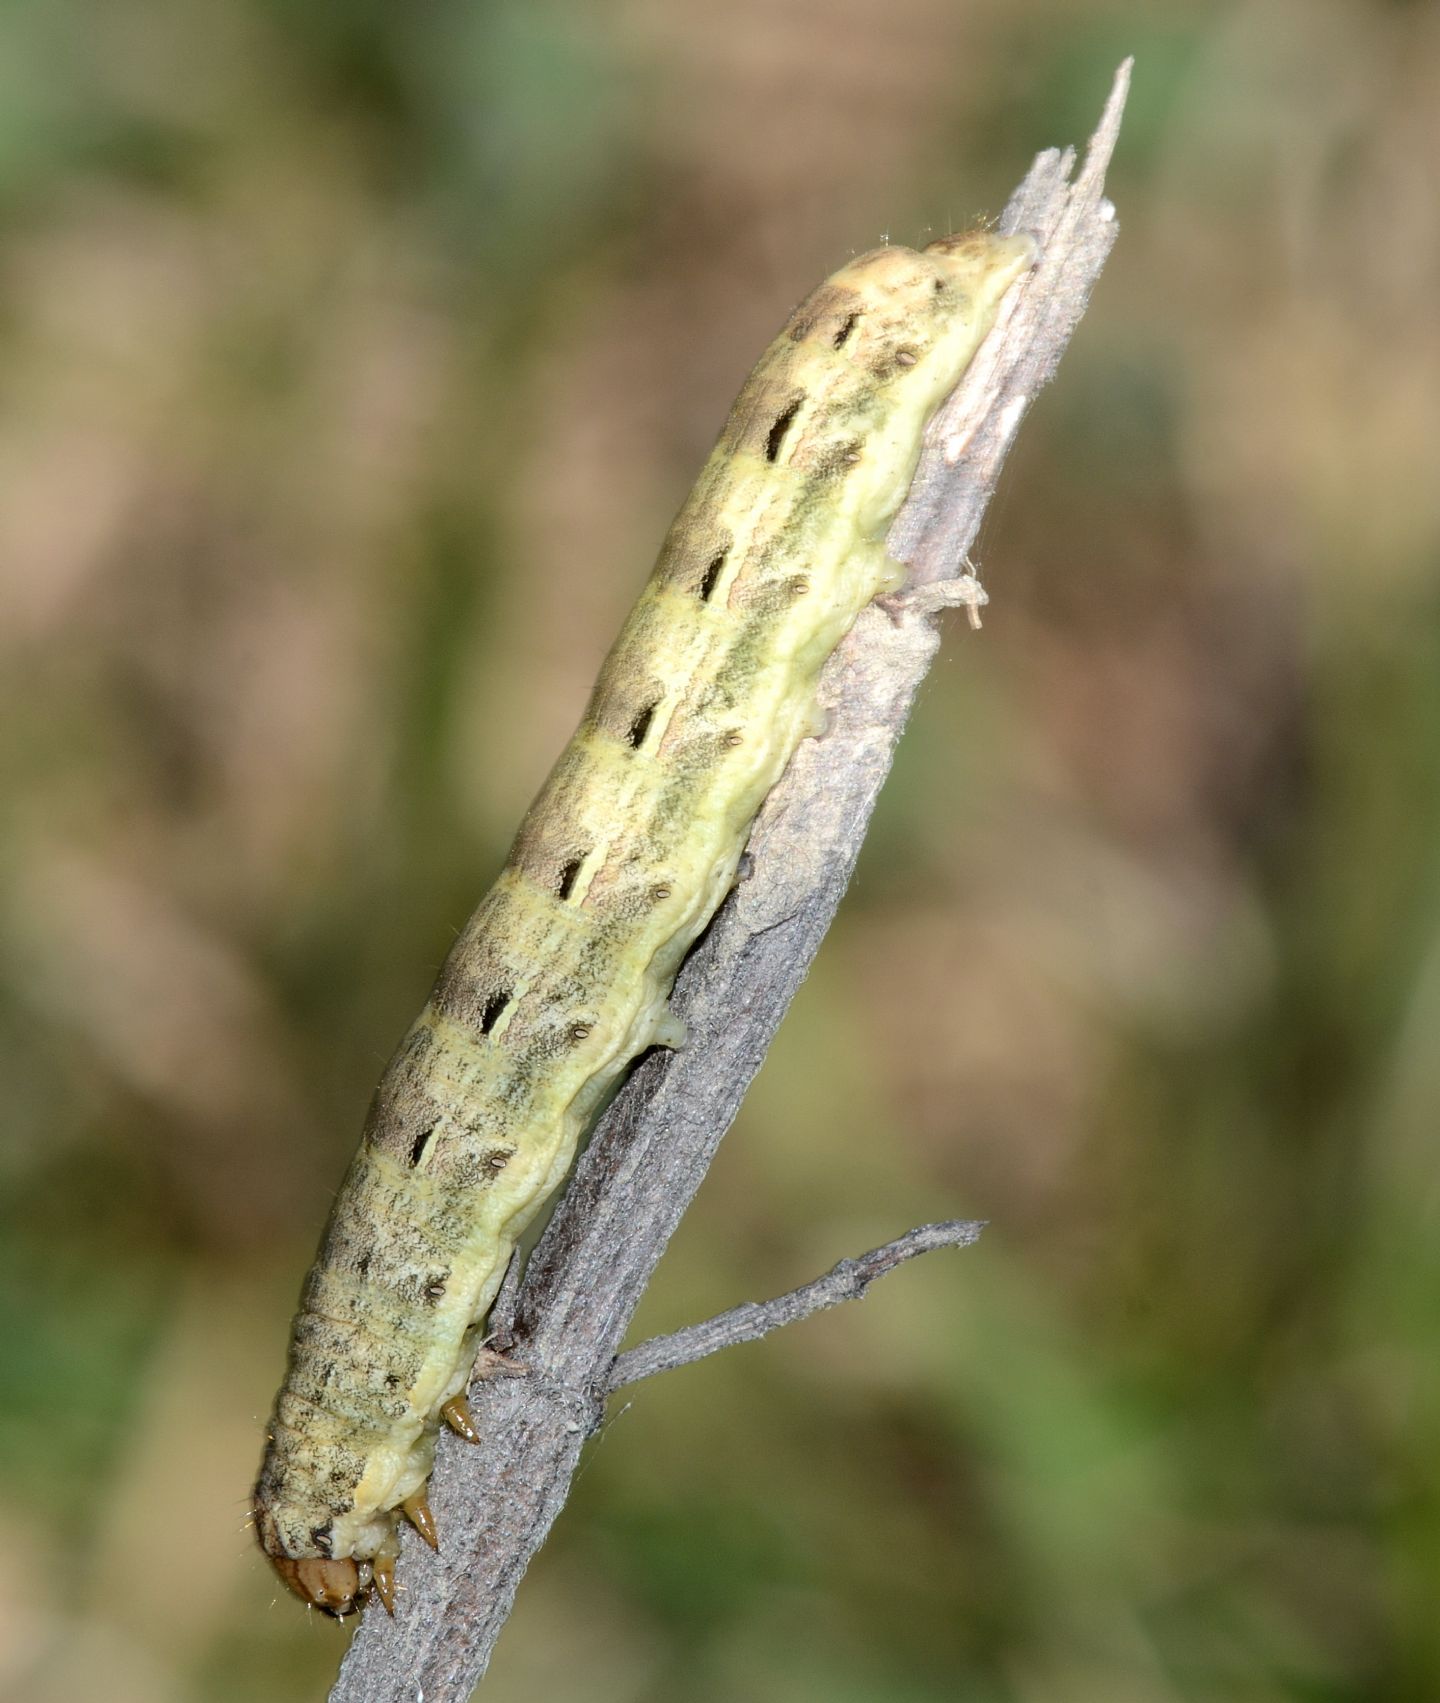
353, 358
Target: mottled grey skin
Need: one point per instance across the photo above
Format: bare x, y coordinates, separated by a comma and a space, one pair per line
560, 977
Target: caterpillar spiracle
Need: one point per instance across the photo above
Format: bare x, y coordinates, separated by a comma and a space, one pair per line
561, 976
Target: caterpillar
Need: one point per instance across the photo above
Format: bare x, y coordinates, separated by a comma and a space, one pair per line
561, 976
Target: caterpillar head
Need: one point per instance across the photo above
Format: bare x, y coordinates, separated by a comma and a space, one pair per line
335, 1586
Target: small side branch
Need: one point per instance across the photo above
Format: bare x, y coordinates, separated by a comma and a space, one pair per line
847, 1281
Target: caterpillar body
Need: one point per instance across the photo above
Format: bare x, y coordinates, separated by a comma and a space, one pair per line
561, 976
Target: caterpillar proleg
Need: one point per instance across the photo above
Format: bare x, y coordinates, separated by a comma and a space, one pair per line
561, 976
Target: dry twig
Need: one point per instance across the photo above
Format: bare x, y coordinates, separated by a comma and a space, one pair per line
494, 1504
847, 1281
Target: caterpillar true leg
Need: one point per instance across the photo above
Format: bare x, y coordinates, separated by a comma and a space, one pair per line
457, 1415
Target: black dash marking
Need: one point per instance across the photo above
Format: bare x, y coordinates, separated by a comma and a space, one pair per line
842, 336
782, 425
420, 1143
567, 878
641, 725
712, 576
494, 1008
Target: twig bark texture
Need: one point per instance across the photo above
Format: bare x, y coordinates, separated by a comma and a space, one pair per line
495, 1503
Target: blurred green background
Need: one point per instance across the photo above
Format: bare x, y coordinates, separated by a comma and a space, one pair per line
353, 358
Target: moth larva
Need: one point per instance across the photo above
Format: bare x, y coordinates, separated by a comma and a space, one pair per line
560, 978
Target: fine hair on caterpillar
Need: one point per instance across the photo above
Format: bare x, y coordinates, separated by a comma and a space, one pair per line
561, 976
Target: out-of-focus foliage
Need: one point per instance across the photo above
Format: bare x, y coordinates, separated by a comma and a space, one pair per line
352, 358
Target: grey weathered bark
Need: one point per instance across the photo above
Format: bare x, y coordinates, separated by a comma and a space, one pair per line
495, 1503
